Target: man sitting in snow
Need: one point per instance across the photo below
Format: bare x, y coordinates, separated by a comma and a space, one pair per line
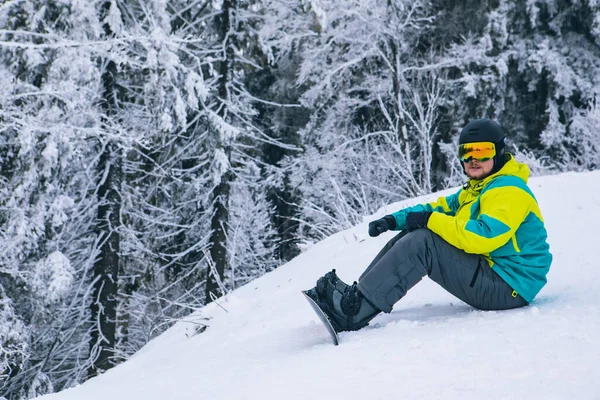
485, 244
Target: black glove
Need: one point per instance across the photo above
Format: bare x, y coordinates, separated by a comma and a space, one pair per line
381, 225
416, 220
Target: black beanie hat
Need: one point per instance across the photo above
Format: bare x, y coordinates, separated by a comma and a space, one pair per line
485, 130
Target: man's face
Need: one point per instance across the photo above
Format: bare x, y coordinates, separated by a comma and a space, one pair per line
478, 169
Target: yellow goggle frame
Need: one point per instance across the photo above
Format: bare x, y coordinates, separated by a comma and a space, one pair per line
480, 151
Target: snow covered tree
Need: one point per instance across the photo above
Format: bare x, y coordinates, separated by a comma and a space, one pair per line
373, 98
48, 118
531, 65
234, 138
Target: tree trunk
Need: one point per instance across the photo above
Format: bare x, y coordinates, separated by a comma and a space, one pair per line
218, 240
220, 217
106, 267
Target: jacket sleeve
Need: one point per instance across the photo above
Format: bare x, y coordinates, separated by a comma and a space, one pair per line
501, 212
444, 205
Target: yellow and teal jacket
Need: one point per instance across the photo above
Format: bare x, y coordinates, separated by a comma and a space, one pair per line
499, 218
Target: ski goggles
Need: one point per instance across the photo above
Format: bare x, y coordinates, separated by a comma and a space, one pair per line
480, 151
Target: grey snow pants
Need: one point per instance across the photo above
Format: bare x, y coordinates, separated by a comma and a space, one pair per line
409, 256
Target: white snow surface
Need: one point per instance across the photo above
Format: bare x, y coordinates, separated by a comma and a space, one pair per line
265, 342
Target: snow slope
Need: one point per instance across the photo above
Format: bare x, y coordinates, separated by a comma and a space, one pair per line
264, 341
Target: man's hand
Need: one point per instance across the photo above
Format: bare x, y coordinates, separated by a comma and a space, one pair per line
381, 225
416, 220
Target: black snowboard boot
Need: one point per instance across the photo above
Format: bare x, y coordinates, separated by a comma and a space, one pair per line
327, 281
348, 311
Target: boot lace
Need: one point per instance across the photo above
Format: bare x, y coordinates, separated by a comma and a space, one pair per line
323, 282
351, 300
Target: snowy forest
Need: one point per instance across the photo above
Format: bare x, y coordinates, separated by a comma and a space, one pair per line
157, 154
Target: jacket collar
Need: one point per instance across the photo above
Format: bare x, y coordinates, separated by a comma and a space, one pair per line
511, 168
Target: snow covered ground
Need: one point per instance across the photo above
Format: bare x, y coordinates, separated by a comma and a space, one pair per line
265, 342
